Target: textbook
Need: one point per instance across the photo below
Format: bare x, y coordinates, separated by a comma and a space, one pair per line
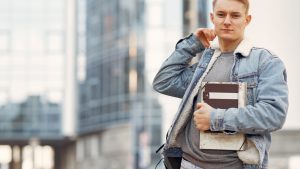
223, 95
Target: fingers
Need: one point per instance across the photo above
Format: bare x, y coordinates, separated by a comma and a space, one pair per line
201, 127
204, 40
205, 35
199, 114
200, 105
204, 106
206, 43
202, 116
200, 123
210, 34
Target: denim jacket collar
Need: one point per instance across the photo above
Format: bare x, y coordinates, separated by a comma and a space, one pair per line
244, 48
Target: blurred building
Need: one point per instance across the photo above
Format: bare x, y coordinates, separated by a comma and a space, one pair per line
32, 67
195, 15
119, 119
34, 92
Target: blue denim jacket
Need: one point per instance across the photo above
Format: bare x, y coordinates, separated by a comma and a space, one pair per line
267, 94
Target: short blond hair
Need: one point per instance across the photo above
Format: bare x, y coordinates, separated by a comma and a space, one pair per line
245, 2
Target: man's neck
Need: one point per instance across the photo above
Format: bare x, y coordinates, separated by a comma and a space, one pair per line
228, 46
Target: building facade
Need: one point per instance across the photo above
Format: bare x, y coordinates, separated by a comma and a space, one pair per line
119, 121
32, 60
34, 40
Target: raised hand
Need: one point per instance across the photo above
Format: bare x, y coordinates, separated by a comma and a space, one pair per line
205, 35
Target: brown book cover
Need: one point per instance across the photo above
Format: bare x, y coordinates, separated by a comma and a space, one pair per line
223, 95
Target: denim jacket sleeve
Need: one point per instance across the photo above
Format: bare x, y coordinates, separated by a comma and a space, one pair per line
268, 113
176, 72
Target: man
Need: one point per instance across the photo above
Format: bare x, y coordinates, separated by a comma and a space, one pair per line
230, 58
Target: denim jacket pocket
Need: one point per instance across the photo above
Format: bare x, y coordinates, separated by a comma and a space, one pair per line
252, 80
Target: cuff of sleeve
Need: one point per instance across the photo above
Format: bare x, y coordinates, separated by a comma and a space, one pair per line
192, 42
217, 120
196, 45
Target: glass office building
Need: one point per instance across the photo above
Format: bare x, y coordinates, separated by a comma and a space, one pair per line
32, 36
113, 92
105, 95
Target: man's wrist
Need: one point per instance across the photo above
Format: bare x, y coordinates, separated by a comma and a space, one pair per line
190, 43
217, 120
194, 44
197, 43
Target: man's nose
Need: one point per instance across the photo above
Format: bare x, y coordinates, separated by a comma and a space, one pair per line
227, 20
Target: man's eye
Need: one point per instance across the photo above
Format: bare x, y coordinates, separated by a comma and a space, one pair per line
235, 16
220, 15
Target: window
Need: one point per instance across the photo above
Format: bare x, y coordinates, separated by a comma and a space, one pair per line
4, 41
54, 42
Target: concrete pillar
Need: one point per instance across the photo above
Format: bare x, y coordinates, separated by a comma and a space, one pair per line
16, 154
58, 154
34, 142
11, 164
21, 156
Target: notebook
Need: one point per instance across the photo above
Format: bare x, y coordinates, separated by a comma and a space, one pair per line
223, 95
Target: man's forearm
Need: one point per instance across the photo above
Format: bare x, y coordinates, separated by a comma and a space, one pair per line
176, 72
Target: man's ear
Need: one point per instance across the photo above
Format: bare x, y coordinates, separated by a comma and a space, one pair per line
248, 19
211, 17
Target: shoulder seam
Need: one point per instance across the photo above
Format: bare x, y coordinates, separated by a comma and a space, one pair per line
267, 50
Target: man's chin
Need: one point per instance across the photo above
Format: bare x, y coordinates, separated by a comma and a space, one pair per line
227, 38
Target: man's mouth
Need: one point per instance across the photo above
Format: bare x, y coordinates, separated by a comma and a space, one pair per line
227, 30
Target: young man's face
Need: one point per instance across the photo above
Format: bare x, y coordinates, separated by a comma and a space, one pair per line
230, 19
